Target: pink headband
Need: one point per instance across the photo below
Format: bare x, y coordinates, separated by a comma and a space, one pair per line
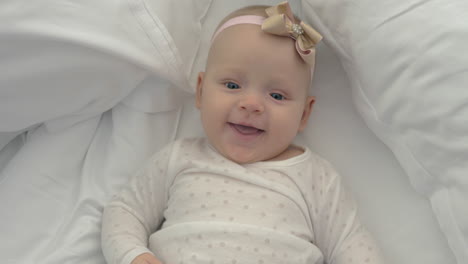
281, 22
256, 20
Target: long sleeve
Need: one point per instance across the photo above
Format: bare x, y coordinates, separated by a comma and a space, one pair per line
136, 212
337, 228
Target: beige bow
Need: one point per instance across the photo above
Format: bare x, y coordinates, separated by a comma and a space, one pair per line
281, 21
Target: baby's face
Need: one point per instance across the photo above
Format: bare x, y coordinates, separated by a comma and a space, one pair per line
253, 96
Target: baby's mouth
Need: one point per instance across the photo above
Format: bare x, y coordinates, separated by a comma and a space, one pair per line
246, 130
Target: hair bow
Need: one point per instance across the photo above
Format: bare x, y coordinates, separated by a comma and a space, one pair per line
281, 21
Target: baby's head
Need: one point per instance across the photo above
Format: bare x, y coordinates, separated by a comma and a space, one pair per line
253, 96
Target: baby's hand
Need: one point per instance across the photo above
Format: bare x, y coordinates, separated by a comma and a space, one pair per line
146, 258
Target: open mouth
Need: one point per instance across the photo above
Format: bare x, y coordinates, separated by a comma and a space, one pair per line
246, 130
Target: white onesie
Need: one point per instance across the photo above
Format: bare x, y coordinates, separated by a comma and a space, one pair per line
192, 205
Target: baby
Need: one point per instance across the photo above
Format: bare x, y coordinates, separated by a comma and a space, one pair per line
245, 194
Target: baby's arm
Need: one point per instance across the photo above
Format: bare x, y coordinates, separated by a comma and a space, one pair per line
338, 231
134, 214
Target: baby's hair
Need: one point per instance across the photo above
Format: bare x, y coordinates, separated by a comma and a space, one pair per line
258, 10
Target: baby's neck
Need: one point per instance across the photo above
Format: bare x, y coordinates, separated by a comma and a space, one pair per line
290, 152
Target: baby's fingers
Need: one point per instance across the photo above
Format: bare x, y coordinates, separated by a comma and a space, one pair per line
146, 258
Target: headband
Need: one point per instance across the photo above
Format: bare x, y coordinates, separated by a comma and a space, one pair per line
281, 22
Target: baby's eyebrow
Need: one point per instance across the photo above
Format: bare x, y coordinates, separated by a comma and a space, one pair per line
228, 70
283, 87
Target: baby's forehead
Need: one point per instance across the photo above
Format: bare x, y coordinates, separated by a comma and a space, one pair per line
249, 42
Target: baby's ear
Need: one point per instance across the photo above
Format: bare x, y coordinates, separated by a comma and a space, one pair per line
199, 89
306, 113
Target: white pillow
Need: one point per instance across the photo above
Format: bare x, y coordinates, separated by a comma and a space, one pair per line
408, 66
64, 63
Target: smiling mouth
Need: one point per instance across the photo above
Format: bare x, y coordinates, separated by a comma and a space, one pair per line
246, 130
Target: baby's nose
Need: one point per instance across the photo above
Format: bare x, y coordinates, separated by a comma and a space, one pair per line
252, 103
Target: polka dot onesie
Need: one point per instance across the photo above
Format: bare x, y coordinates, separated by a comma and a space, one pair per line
189, 204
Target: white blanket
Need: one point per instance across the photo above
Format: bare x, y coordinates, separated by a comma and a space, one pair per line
92, 83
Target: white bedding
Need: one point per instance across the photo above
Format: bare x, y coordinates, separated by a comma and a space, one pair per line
86, 134
408, 74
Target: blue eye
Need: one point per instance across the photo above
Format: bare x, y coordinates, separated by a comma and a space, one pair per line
277, 96
231, 85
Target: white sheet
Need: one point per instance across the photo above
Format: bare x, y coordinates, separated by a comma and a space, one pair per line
53, 183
